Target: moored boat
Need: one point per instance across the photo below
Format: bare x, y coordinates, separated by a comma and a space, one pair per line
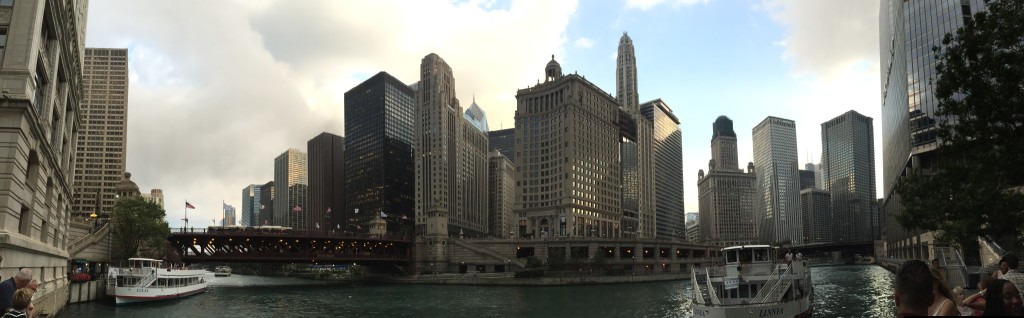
222, 271
753, 283
144, 280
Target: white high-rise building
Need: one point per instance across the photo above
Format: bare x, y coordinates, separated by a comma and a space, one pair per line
777, 204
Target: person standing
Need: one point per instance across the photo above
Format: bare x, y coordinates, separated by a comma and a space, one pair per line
1012, 275
1003, 267
1002, 298
913, 292
943, 304
8, 287
22, 304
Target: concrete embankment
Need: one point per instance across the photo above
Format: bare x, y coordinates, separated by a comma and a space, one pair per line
87, 291
507, 280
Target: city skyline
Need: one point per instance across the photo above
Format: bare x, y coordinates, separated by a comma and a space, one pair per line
769, 64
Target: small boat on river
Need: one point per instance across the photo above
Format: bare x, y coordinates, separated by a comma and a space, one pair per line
221, 271
144, 280
753, 283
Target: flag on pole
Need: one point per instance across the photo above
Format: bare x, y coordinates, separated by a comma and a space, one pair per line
383, 215
189, 205
297, 209
225, 205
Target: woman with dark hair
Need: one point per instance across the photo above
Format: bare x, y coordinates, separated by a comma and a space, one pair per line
1002, 299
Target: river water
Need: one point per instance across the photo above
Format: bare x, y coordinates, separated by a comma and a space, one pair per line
840, 291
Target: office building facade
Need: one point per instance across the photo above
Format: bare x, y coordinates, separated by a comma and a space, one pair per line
726, 194
102, 143
501, 189
228, 217
265, 216
503, 141
667, 152
40, 123
568, 158
379, 138
250, 205
848, 168
156, 196
816, 205
777, 207
291, 188
326, 159
908, 30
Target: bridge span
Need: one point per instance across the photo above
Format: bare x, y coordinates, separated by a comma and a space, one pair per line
255, 245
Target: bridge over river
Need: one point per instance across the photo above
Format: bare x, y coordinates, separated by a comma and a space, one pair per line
260, 245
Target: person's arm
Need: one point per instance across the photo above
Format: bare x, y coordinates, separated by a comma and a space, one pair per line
976, 301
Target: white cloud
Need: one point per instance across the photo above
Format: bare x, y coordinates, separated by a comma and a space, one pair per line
825, 38
645, 5
215, 97
583, 43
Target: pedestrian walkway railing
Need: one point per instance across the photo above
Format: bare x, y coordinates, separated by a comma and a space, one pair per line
951, 260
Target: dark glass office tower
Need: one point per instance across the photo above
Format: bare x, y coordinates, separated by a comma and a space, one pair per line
848, 169
378, 144
266, 208
326, 154
908, 31
503, 141
668, 169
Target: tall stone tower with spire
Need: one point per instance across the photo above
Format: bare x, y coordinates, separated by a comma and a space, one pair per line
437, 124
638, 191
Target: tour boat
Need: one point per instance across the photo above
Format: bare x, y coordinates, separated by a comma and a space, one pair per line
753, 283
222, 271
145, 280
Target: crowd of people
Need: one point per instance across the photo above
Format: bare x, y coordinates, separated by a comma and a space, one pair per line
16, 295
921, 290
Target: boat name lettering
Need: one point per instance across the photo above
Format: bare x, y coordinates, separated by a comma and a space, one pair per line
141, 290
770, 312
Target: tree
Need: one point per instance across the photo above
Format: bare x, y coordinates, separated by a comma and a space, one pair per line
137, 224
976, 188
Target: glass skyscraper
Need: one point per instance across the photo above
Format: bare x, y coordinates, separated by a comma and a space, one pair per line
503, 141
668, 169
848, 168
250, 205
778, 217
908, 31
326, 182
291, 183
379, 132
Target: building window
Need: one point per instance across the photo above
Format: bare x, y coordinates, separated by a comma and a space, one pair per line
3, 40
6, 3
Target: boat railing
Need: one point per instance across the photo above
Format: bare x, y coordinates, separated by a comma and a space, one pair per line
698, 292
770, 285
149, 279
711, 288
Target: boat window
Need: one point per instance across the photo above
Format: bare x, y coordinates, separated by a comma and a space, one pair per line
746, 256
745, 290
761, 255
753, 289
730, 256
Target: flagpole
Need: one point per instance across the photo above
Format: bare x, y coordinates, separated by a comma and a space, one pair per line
186, 216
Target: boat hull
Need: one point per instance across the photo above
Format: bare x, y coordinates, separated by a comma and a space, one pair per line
798, 308
127, 295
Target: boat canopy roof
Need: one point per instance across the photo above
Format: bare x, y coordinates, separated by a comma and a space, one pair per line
745, 247
143, 259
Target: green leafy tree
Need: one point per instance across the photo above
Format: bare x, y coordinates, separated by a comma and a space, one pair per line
138, 224
975, 188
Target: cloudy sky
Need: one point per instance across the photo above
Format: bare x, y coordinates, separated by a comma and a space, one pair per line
219, 88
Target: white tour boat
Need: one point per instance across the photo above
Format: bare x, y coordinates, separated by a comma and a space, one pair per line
222, 271
753, 283
145, 280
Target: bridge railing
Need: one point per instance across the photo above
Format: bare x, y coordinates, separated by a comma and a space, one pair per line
277, 232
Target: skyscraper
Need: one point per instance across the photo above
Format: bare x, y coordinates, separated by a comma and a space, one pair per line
668, 169
102, 144
251, 205
156, 196
637, 164
807, 179
291, 186
228, 219
568, 160
816, 206
726, 193
379, 138
777, 206
265, 216
502, 195
41, 71
908, 31
473, 216
848, 166
476, 117
504, 141
326, 182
